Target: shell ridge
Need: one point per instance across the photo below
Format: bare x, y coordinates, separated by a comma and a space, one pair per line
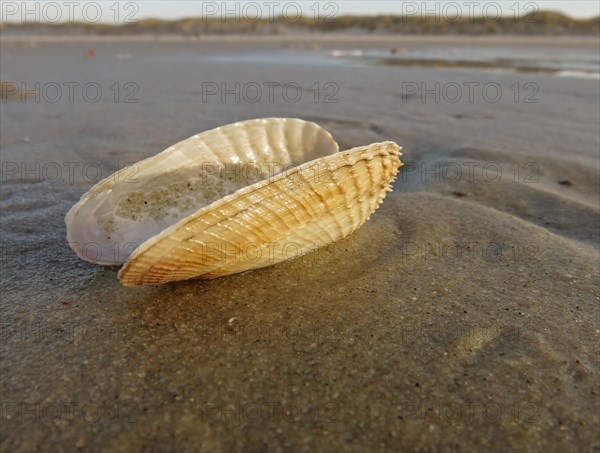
306, 246
382, 150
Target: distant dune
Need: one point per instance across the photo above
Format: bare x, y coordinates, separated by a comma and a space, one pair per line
539, 23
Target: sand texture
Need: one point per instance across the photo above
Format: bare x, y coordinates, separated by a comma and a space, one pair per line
463, 316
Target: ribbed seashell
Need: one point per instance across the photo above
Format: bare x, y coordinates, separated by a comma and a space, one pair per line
314, 196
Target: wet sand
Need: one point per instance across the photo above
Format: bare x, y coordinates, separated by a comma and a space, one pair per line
463, 316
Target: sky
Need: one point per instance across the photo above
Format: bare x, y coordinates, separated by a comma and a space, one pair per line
128, 11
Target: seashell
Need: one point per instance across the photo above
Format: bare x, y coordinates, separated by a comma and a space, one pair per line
311, 196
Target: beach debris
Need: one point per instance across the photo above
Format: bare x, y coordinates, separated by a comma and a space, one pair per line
236, 198
337, 53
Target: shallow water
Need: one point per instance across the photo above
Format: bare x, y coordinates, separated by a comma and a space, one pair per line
584, 63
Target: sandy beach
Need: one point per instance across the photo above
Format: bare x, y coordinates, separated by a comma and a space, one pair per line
463, 316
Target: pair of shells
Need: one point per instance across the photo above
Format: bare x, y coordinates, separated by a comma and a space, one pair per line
235, 198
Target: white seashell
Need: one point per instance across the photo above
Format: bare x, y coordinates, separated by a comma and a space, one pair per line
231, 225
132, 205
